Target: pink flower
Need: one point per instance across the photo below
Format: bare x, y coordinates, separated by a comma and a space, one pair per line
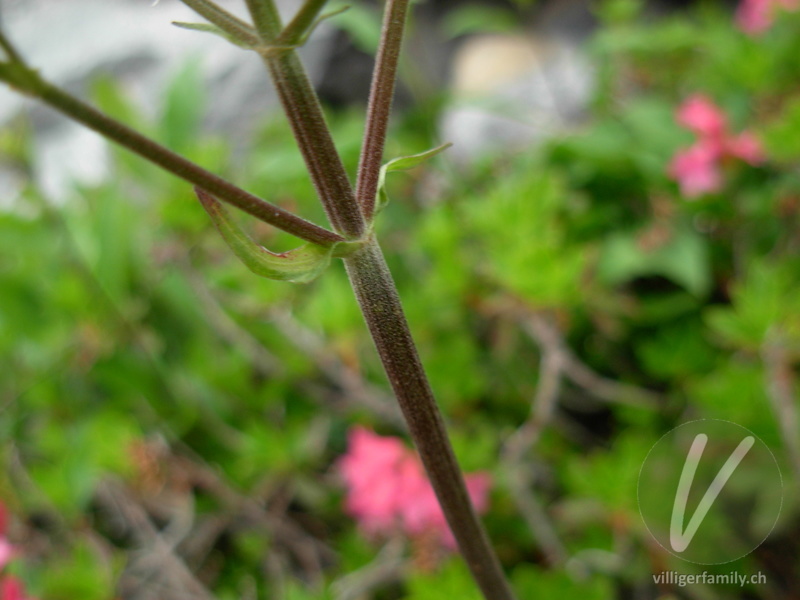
701, 116
6, 552
387, 490
746, 147
12, 588
698, 169
6, 549
756, 16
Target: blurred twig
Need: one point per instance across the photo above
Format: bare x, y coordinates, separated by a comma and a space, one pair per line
389, 565
356, 391
781, 391
310, 552
226, 327
520, 480
557, 362
549, 339
160, 573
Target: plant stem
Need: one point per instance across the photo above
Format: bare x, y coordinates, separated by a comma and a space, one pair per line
229, 23
308, 124
183, 168
380, 104
316, 145
11, 52
375, 290
266, 19
380, 304
370, 277
297, 28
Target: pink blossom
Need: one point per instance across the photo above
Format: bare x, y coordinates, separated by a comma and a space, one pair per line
389, 492
12, 588
756, 16
698, 169
747, 147
701, 116
6, 549
6, 552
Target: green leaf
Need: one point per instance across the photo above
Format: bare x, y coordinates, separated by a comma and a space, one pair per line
450, 581
684, 260
362, 24
764, 300
475, 18
402, 164
297, 41
208, 28
532, 581
782, 135
300, 265
184, 105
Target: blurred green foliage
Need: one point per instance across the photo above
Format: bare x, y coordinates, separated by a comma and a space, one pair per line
136, 349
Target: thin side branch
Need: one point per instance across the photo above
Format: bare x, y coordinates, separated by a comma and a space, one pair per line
265, 18
304, 112
308, 124
229, 23
183, 168
380, 104
11, 53
303, 21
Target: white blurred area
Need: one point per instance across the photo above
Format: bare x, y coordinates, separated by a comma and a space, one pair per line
72, 41
505, 91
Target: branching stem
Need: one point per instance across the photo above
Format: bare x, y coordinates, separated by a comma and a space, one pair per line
380, 104
183, 168
370, 277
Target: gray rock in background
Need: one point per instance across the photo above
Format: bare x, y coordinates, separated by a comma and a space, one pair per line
71, 41
511, 91
507, 91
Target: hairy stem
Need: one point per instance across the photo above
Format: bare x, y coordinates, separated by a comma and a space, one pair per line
376, 293
377, 296
183, 168
316, 145
266, 18
371, 280
308, 124
229, 23
294, 32
380, 104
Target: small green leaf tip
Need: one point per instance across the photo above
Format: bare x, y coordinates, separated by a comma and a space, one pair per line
300, 265
239, 39
402, 164
242, 42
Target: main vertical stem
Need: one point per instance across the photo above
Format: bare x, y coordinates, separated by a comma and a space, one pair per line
383, 312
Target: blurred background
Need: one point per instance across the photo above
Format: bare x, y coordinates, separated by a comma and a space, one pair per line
609, 249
